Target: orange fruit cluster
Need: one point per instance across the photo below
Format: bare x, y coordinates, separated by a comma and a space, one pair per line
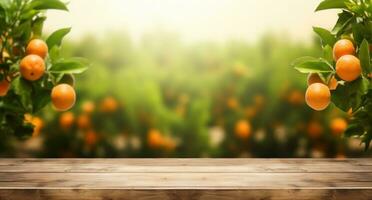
318, 95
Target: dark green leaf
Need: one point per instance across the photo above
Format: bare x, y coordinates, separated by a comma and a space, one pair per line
326, 37
364, 57
23, 89
55, 39
343, 21
37, 26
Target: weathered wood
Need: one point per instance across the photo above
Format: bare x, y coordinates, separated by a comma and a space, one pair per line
185, 179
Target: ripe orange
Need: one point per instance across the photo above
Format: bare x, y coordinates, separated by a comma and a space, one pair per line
63, 97
313, 78
343, 47
109, 104
32, 67
88, 107
242, 129
154, 138
318, 96
66, 120
314, 129
348, 68
83, 121
4, 87
338, 126
332, 84
90, 137
37, 47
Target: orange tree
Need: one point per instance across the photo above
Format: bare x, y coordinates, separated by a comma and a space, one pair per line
32, 73
343, 74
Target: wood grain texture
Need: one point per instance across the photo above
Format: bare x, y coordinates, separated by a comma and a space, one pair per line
185, 179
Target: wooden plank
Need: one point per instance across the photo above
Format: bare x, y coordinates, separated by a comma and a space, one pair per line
185, 179
185, 165
78, 194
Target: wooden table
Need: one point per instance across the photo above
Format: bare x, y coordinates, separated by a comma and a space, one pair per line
111, 179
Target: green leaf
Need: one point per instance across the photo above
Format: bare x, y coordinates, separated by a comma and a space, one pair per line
71, 66
326, 37
354, 130
47, 4
40, 99
37, 26
344, 19
350, 95
312, 65
55, 39
364, 57
328, 53
331, 4
23, 89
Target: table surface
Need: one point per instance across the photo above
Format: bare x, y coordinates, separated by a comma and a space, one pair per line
272, 178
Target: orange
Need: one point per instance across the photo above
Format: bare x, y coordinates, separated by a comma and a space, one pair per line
154, 138
338, 126
314, 129
36, 122
348, 68
295, 97
88, 107
90, 137
32, 67
242, 129
63, 97
232, 103
318, 96
83, 121
109, 104
4, 87
313, 78
37, 47
66, 120
332, 84
343, 47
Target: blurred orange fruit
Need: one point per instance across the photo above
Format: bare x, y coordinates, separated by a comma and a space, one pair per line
63, 97
348, 68
232, 103
90, 137
242, 129
108, 105
314, 129
32, 67
154, 138
343, 47
318, 96
4, 87
37, 122
83, 121
37, 47
88, 107
66, 120
296, 97
338, 126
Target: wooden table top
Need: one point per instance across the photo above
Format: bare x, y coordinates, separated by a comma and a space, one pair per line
180, 178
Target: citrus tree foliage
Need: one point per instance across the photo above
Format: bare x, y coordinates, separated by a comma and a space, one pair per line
20, 22
354, 24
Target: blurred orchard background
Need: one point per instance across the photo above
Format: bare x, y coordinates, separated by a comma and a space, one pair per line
176, 78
